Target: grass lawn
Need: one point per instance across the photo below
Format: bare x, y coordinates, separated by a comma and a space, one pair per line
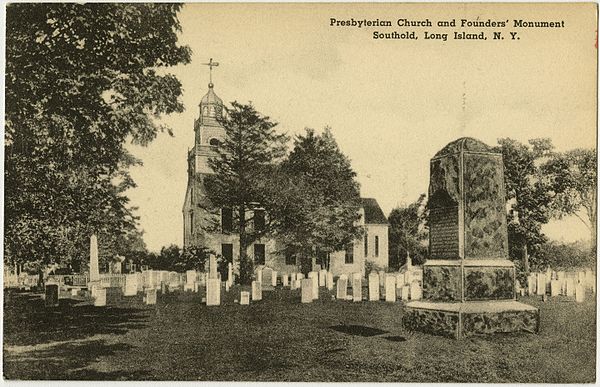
279, 339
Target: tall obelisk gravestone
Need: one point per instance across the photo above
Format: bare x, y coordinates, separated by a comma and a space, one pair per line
468, 281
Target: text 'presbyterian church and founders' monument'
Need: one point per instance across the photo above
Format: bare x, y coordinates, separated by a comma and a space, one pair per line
468, 281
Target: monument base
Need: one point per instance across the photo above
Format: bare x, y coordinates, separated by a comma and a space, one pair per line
460, 320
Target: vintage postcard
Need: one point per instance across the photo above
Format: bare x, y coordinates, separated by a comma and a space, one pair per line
300, 192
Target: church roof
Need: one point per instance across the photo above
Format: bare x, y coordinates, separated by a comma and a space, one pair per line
373, 213
211, 98
464, 144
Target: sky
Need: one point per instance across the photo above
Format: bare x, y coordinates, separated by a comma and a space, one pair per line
391, 104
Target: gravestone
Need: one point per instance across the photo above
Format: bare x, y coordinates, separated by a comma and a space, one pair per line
307, 290
190, 276
213, 292
74, 292
299, 276
284, 280
259, 275
230, 273
580, 292
267, 276
256, 291
468, 280
151, 296
329, 281
131, 285
373, 287
531, 284
415, 291
196, 287
541, 284
342, 288
356, 288
570, 286
390, 288
244, 298
314, 276
554, 288
405, 292
322, 278
226, 286
51, 299
100, 297
274, 279
293, 283
94, 268
212, 267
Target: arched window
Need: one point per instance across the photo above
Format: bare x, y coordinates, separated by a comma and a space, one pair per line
205, 110
214, 142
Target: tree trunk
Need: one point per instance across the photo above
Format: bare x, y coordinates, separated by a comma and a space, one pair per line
525, 259
305, 263
246, 266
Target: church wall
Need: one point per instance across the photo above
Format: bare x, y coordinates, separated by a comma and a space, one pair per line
381, 231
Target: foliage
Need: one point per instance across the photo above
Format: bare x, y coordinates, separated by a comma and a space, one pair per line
408, 233
564, 256
573, 177
528, 193
371, 266
241, 168
173, 258
81, 79
317, 197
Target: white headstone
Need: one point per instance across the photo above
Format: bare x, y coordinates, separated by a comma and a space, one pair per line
94, 269
400, 281
554, 288
307, 290
531, 282
329, 281
267, 276
580, 292
342, 288
212, 267
226, 286
256, 291
381, 274
190, 276
299, 276
230, 273
100, 297
293, 283
259, 275
570, 286
405, 292
415, 291
314, 276
357, 289
274, 278
213, 292
390, 288
284, 280
322, 278
541, 284
150, 296
131, 285
196, 287
373, 287
74, 291
244, 298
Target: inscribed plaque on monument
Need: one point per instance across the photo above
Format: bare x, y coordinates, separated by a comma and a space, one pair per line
443, 231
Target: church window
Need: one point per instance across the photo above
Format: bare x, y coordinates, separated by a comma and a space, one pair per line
227, 251
226, 220
377, 245
259, 254
214, 142
349, 254
191, 221
259, 220
290, 257
205, 111
366, 245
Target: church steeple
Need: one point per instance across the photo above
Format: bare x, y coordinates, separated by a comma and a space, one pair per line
211, 106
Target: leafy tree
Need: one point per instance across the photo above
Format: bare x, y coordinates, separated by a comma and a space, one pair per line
81, 80
528, 193
408, 233
318, 198
564, 256
242, 166
573, 177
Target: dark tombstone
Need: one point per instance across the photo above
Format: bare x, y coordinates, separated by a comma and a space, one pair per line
51, 295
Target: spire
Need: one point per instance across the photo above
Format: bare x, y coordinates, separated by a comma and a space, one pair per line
210, 65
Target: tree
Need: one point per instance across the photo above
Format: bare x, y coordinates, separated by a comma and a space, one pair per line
528, 193
408, 232
242, 166
573, 177
318, 198
81, 80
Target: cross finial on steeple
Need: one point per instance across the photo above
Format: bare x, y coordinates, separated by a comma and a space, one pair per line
210, 65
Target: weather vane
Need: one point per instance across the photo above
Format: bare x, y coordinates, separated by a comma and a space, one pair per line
210, 65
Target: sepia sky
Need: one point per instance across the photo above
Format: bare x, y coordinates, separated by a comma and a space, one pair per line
391, 104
